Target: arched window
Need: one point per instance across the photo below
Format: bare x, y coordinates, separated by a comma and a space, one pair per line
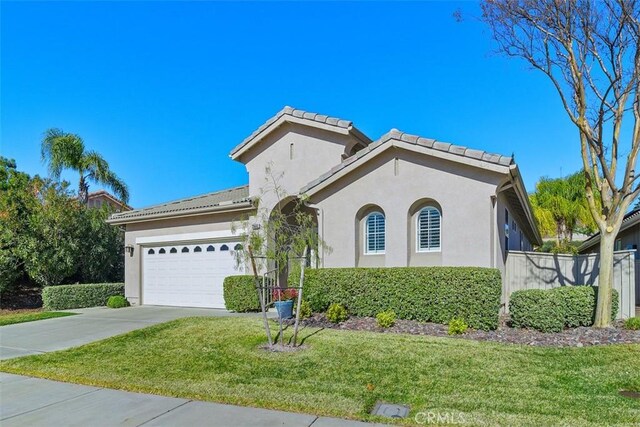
374, 233
428, 229
237, 247
224, 248
210, 248
185, 250
151, 252
162, 251
173, 251
197, 249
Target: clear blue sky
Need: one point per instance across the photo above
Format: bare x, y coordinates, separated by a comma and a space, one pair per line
164, 90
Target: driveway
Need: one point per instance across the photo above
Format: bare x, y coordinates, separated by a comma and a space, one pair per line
36, 402
91, 324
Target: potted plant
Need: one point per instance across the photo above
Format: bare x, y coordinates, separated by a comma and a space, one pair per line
283, 301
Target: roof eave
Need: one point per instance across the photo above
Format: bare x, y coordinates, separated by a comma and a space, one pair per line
222, 208
526, 204
387, 142
351, 130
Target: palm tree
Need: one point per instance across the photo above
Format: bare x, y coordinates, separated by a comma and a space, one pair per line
61, 150
560, 206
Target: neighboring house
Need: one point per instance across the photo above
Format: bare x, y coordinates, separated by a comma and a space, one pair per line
628, 237
401, 200
97, 199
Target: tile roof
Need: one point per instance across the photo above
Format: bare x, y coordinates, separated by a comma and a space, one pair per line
333, 121
395, 134
228, 197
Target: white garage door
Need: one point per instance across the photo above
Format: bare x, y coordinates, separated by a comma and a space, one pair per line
187, 275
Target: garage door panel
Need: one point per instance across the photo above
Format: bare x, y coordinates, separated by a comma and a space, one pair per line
188, 279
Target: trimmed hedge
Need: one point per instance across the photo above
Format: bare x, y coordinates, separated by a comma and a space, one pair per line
240, 294
79, 296
427, 294
552, 310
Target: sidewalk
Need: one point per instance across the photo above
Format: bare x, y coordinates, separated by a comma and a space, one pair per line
26, 401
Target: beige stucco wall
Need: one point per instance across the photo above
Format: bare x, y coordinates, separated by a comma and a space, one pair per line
395, 181
302, 153
176, 226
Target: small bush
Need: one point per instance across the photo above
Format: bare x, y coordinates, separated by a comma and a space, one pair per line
538, 309
632, 323
554, 309
425, 294
240, 294
337, 313
386, 319
117, 301
305, 310
65, 297
457, 326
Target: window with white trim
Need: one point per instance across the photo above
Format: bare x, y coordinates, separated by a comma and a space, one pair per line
428, 228
374, 233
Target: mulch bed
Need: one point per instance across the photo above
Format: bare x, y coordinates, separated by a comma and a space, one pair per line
574, 337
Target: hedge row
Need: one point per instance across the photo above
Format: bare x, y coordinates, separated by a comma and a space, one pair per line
240, 294
79, 296
554, 309
427, 294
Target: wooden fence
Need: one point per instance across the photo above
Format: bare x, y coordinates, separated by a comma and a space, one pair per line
535, 270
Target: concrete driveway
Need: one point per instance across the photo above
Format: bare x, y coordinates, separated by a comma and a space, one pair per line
91, 324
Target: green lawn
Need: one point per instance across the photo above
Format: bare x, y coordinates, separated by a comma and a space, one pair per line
343, 373
8, 318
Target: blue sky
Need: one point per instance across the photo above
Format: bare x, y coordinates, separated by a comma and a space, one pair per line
164, 90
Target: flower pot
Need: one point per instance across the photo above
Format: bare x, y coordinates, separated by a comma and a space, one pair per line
285, 309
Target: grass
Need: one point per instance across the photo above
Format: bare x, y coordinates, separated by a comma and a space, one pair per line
343, 373
9, 317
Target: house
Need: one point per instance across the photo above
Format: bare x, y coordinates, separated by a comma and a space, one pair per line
628, 237
401, 200
97, 199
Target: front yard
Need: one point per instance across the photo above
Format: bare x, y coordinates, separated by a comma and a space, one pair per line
344, 373
9, 317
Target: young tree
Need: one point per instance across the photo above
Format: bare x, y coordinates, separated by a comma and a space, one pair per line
560, 206
590, 51
61, 150
278, 238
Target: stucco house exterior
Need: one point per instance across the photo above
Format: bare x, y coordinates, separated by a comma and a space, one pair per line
401, 200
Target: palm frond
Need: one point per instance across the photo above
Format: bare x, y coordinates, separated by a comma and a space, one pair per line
99, 172
61, 150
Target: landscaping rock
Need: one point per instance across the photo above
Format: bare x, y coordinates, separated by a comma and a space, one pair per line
574, 337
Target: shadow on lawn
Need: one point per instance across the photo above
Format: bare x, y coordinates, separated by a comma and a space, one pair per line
301, 330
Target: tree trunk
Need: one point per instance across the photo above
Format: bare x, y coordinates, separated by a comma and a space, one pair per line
605, 281
83, 190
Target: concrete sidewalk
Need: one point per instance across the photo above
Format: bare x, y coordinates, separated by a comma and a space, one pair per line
26, 401
91, 324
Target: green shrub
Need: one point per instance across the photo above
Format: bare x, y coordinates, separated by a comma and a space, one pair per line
386, 319
240, 294
337, 313
305, 310
457, 326
538, 309
79, 296
117, 301
632, 323
554, 309
426, 294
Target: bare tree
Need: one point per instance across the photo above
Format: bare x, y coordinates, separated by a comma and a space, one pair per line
589, 50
